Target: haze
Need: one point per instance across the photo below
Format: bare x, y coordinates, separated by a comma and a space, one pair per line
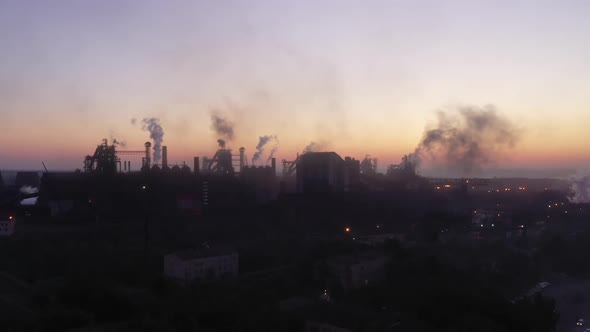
363, 77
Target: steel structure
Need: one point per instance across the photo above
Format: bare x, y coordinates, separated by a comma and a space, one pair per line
289, 166
221, 163
106, 160
369, 165
407, 168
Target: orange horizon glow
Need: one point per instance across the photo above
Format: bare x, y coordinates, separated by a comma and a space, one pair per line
72, 154
72, 75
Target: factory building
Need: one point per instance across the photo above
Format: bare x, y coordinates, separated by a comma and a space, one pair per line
82, 196
326, 172
262, 180
201, 265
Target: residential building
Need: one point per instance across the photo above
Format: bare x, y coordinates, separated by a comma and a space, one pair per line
7, 225
201, 265
352, 271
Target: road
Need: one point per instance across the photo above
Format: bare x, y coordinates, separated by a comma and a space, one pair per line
573, 302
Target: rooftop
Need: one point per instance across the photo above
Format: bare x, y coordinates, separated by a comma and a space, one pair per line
356, 258
204, 252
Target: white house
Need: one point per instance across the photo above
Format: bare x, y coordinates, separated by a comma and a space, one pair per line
201, 265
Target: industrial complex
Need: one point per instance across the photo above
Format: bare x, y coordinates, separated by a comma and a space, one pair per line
304, 240
107, 187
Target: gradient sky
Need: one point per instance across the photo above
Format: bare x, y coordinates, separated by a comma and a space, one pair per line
363, 77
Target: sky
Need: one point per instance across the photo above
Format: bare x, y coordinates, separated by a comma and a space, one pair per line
359, 77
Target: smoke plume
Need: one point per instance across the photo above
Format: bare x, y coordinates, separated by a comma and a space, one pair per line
462, 143
262, 142
580, 189
116, 141
222, 126
156, 134
274, 149
121, 143
314, 147
221, 143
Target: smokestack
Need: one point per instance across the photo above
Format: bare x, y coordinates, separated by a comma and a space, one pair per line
196, 166
221, 143
273, 165
242, 158
147, 161
164, 157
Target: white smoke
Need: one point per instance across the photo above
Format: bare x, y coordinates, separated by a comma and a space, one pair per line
580, 189
156, 134
314, 146
262, 142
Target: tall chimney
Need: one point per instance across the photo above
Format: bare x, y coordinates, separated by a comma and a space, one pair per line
196, 167
242, 158
273, 164
147, 161
164, 157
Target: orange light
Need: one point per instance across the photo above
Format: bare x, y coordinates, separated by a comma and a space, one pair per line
10, 218
347, 229
447, 186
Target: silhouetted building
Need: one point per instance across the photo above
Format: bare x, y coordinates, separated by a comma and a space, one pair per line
326, 172
262, 180
27, 179
352, 271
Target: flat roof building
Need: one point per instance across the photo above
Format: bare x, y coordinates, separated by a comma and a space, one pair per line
201, 265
